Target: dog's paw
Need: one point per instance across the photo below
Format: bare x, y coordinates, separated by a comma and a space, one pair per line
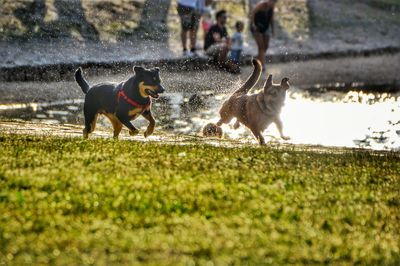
147, 133
285, 138
133, 132
236, 125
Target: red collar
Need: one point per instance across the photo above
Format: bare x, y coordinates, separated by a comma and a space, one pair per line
132, 102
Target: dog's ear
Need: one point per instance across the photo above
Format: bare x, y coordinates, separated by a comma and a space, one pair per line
138, 69
285, 83
268, 83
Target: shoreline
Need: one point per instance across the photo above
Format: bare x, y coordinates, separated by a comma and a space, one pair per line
64, 71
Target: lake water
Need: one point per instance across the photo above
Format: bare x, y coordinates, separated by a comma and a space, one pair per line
351, 119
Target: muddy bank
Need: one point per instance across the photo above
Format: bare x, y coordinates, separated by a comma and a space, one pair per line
64, 71
73, 131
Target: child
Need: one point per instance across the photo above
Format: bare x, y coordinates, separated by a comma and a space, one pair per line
206, 21
237, 43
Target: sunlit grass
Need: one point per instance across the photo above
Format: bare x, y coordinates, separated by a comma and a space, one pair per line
69, 201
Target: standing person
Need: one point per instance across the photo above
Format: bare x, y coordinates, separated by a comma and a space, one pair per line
190, 17
237, 43
217, 43
262, 19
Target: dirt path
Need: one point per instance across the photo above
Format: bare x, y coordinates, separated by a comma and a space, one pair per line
75, 131
374, 69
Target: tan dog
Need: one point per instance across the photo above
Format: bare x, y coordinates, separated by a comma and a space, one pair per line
256, 111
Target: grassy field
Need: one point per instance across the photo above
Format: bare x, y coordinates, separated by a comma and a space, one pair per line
66, 201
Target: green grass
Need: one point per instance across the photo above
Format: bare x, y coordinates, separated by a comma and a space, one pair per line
66, 201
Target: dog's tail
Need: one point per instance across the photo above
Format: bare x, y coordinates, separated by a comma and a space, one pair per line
252, 80
81, 81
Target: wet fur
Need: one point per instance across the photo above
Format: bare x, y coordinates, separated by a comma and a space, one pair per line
102, 99
256, 111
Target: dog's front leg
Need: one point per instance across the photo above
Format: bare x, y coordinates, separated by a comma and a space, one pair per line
152, 123
125, 120
237, 124
258, 135
279, 125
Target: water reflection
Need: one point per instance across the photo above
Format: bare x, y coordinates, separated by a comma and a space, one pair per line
353, 119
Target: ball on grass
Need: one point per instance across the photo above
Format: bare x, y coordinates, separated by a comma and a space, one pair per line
212, 130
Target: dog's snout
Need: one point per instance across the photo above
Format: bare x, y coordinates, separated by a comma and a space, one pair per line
161, 89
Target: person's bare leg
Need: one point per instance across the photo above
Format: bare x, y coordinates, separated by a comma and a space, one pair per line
266, 42
223, 55
193, 37
266, 46
260, 45
183, 39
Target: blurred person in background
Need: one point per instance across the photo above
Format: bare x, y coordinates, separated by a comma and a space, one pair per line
262, 26
237, 43
189, 15
206, 21
190, 12
217, 43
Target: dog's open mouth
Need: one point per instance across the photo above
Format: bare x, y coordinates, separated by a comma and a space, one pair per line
152, 93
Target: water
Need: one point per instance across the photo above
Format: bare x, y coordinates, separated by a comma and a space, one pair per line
352, 119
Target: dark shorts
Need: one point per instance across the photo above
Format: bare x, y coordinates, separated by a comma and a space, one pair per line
263, 30
189, 17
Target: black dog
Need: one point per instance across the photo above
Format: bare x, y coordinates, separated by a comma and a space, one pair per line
121, 102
